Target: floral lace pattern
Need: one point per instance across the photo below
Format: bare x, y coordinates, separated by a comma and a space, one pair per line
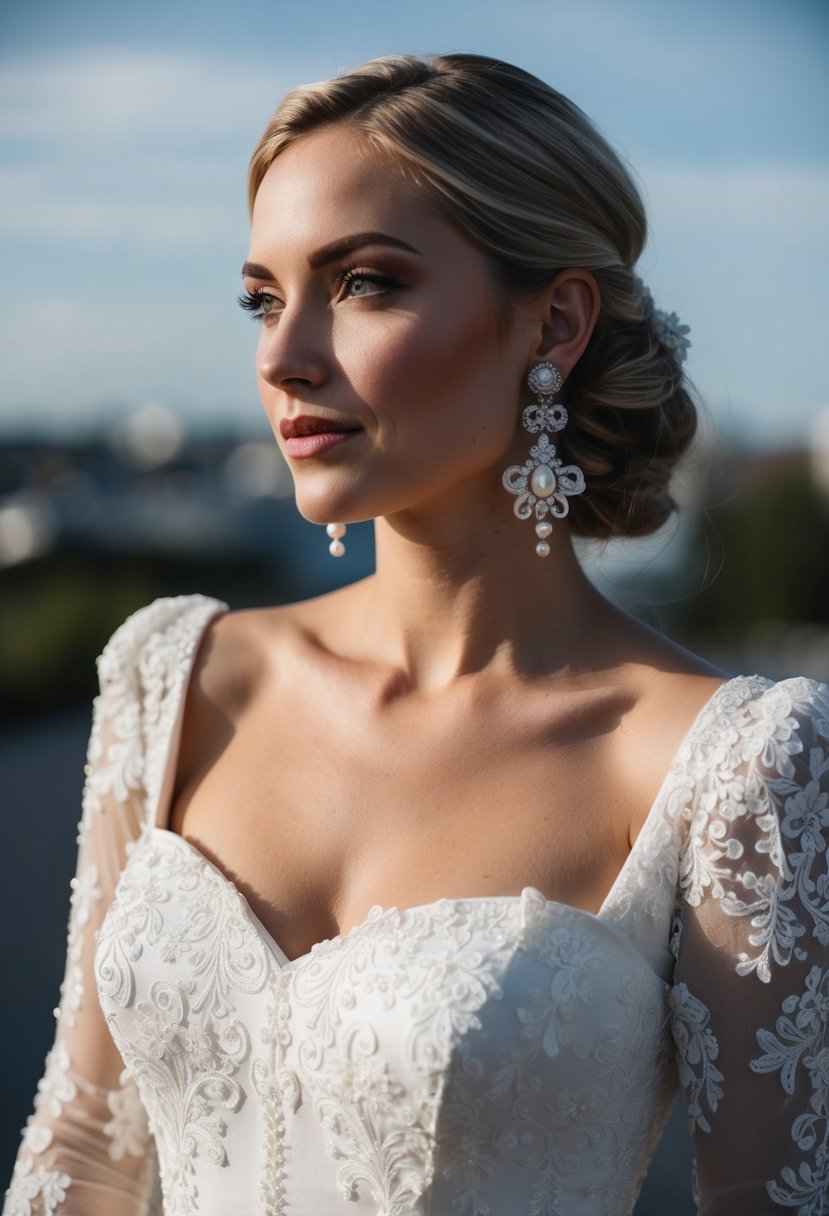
29, 1184
412, 1092
185, 1046
440, 1058
73, 1111
756, 858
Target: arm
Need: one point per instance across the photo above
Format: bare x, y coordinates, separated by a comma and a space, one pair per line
751, 1001
86, 1149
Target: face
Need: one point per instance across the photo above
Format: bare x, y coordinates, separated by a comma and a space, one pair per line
384, 374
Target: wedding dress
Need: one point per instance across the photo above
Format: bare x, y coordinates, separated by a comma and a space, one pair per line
506, 1056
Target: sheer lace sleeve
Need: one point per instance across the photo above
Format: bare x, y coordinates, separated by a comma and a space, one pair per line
751, 998
87, 1150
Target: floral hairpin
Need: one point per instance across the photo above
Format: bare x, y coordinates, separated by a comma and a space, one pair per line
670, 331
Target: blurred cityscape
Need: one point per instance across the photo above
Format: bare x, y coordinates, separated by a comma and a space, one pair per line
89, 532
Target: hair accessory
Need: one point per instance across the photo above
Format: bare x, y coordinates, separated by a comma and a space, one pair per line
543, 484
667, 326
672, 333
336, 532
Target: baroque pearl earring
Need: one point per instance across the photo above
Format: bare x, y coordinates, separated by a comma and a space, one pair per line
543, 484
336, 532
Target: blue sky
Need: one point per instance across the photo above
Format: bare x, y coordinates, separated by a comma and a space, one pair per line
125, 131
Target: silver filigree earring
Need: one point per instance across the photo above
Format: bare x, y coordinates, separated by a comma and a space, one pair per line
543, 484
336, 532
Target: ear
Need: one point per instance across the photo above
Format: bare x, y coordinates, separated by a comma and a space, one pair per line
568, 311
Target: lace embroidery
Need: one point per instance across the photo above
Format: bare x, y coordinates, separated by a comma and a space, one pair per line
127, 1129
698, 1049
185, 1050
802, 1042
85, 892
436, 972
758, 847
49, 1186
742, 802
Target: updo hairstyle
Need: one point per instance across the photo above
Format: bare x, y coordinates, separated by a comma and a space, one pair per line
523, 174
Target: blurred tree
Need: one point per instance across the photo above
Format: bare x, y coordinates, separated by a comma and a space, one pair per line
771, 544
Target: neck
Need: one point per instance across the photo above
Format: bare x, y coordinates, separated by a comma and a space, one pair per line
451, 597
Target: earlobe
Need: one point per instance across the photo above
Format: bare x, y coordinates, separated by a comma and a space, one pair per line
571, 307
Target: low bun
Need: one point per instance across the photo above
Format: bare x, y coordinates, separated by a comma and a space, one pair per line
632, 417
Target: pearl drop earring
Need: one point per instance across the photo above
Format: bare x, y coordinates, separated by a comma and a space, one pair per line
336, 532
543, 484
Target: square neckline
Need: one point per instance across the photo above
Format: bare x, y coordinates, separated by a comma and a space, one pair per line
162, 802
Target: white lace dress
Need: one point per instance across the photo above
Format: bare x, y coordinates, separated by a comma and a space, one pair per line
481, 1057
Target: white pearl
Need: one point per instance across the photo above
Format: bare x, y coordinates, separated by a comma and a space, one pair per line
543, 530
542, 548
336, 548
544, 375
335, 531
543, 481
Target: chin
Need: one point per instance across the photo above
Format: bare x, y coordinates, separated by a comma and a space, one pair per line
329, 511
344, 507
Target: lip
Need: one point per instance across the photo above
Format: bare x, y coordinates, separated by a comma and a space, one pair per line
301, 446
311, 434
313, 424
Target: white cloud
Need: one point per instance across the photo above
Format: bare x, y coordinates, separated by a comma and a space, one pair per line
111, 95
143, 146
43, 207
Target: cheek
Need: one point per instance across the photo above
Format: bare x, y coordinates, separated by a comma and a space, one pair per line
448, 366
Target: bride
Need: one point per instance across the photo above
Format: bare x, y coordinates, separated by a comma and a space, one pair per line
422, 896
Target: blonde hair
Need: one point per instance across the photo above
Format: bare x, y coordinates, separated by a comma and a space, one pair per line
524, 174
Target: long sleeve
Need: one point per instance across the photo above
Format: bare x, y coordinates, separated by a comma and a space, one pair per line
86, 1149
751, 998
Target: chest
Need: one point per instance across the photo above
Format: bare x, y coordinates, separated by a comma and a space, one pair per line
317, 811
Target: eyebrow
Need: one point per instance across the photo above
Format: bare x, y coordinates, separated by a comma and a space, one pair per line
334, 251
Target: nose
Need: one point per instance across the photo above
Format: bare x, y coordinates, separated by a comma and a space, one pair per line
289, 354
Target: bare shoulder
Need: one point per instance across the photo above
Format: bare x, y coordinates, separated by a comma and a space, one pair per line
671, 687
244, 656
244, 652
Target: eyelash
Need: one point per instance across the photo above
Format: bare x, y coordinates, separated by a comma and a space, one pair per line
252, 301
354, 274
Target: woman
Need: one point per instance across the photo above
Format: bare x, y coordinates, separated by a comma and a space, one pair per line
413, 878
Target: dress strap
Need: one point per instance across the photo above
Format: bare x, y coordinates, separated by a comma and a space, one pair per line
146, 669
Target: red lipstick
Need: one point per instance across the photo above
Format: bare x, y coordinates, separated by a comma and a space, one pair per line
311, 435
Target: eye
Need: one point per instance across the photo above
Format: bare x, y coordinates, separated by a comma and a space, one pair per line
260, 304
358, 283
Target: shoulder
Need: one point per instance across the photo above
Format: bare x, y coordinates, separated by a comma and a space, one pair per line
243, 659
759, 762
762, 727
667, 689
751, 735
162, 634
142, 672
244, 653
259, 651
